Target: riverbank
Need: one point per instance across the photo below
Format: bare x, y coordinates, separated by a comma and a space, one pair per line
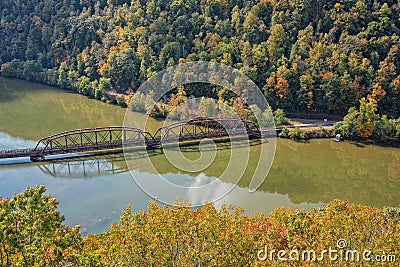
306, 132
305, 129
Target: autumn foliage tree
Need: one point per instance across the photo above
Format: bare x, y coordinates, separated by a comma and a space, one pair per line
180, 236
32, 233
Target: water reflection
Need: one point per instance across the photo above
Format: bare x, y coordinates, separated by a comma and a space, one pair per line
114, 165
83, 168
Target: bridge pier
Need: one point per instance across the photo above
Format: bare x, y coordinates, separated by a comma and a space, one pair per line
36, 158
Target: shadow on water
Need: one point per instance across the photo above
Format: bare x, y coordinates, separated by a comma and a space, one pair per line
358, 144
383, 143
220, 146
7, 94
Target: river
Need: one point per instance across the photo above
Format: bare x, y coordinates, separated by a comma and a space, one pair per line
94, 190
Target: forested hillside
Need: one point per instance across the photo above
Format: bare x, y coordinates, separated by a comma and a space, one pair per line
307, 55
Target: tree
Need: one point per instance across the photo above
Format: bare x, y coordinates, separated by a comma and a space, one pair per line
32, 231
12, 69
377, 93
149, 103
279, 117
235, 19
100, 91
277, 89
347, 126
276, 41
267, 119
32, 70
304, 42
170, 51
62, 80
208, 108
365, 122
137, 102
121, 67
129, 41
239, 107
207, 236
84, 85
105, 84
359, 123
332, 93
254, 113
305, 95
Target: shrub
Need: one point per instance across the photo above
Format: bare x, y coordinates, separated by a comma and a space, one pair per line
297, 134
279, 117
284, 133
121, 101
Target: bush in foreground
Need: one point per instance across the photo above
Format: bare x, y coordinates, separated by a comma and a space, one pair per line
32, 233
181, 236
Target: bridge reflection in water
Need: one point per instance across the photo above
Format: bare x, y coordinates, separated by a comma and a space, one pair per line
83, 168
92, 166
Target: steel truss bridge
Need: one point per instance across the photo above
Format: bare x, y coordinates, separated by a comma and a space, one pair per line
105, 139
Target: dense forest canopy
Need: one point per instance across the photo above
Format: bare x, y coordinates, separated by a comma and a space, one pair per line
306, 55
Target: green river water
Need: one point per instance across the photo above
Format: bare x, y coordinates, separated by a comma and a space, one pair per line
94, 190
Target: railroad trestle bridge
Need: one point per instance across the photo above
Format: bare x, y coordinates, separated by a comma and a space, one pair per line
112, 137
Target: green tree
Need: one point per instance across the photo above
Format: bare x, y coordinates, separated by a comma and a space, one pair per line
13, 68
149, 103
347, 127
84, 85
276, 41
32, 232
360, 123
62, 80
267, 119
105, 84
121, 68
208, 108
137, 102
279, 117
304, 42
100, 91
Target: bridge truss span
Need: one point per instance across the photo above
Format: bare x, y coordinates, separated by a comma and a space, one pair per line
199, 128
90, 139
